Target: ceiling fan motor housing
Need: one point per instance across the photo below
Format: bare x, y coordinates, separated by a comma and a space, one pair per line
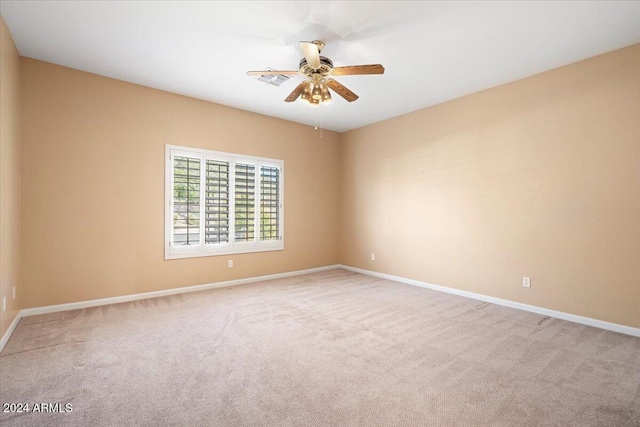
326, 65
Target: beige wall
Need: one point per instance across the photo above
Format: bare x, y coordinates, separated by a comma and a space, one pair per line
93, 186
540, 178
9, 177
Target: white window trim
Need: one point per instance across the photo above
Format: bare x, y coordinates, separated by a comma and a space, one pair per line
232, 247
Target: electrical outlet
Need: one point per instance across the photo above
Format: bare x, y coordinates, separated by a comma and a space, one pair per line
373, 257
526, 282
4, 304
230, 263
14, 292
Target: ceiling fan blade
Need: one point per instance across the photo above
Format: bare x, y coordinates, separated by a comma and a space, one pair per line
358, 69
342, 90
311, 54
296, 92
271, 73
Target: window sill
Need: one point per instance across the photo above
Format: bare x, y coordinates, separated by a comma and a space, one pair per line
240, 250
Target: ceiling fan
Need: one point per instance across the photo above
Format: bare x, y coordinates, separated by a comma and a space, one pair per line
318, 71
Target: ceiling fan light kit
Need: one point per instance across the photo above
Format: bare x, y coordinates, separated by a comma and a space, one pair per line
315, 91
318, 70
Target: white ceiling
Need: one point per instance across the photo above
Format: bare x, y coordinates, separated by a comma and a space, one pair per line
432, 51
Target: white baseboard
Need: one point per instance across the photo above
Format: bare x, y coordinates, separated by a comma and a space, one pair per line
7, 335
173, 291
127, 298
623, 329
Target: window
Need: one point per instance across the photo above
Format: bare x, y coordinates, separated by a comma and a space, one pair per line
221, 203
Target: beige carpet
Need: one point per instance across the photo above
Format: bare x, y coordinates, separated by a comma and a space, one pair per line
327, 349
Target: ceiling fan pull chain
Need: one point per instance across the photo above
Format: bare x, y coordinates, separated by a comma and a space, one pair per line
320, 119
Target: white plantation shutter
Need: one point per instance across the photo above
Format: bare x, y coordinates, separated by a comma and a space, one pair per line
186, 201
245, 202
221, 203
269, 203
217, 202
